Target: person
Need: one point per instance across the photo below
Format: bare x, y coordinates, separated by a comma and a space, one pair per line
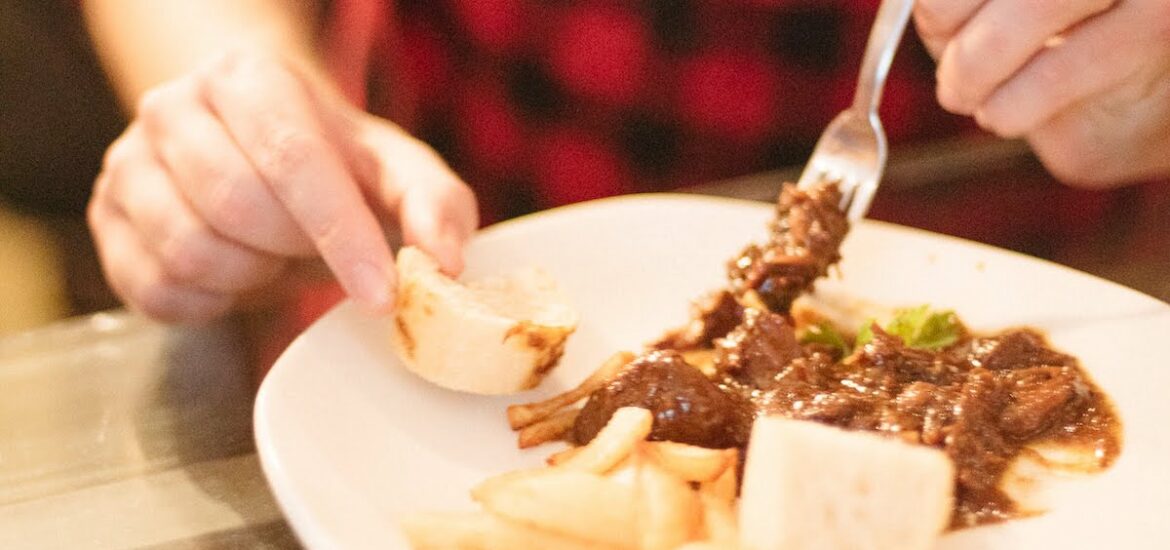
239, 166
1085, 82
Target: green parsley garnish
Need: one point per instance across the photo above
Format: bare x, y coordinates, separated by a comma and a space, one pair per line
827, 334
918, 328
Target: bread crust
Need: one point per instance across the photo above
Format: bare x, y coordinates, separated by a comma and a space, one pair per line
499, 337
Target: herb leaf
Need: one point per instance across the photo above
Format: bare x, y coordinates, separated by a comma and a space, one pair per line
865, 334
827, 334
922, 328
917, 327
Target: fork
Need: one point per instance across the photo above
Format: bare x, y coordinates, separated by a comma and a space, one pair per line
852, 150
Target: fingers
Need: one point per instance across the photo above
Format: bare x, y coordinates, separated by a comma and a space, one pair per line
188, 251
269, 115
939, 20
136, 276
231, 170
1059, 77
1000, 39
436, 210
439, 218
1092, 150
213, 175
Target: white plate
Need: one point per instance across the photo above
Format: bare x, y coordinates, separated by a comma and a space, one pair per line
349, 440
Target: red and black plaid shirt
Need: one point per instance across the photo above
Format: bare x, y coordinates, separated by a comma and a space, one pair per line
538, 103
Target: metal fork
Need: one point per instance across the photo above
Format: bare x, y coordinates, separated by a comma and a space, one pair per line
852, 150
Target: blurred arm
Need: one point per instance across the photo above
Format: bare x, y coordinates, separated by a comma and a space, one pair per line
146, 42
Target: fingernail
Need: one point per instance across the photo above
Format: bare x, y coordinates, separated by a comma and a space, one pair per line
371, 286
451, 249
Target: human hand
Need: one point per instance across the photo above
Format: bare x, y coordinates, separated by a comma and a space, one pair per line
1087, 82
230, 174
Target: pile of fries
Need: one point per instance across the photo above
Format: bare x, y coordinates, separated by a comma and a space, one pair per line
618, 492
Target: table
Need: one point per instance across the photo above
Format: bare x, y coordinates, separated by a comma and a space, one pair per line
116, 432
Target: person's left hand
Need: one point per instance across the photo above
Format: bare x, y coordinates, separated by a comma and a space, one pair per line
1087, 82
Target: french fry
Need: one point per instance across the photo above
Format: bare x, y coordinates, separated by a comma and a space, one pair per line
483, 531
569, 502
616, 440
559, 457
624, 471
618, 492
719, 521
725, 486
690, 462
549, 429
521, 416
669, 511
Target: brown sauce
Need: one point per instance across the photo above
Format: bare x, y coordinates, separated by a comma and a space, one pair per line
983, 400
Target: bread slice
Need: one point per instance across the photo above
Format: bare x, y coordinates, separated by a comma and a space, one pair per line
809, 486
493, 336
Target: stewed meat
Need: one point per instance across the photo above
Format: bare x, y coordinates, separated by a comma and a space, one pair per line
804, 239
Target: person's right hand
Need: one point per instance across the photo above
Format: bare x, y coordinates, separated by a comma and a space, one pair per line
1086, 82
228, 173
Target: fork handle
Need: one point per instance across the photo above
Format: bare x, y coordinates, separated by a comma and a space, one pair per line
884, 37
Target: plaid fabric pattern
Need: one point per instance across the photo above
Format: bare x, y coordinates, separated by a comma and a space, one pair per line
538, 103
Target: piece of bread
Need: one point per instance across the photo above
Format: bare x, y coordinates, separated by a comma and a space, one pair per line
493, 336
809, 486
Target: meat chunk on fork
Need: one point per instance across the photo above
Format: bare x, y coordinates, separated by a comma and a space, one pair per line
804, 240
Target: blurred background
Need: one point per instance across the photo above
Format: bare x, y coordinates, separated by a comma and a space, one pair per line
56, 118
57, 115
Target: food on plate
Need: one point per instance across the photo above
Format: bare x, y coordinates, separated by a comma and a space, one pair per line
883, 435
551, 419
483, 531
490, 336
613, 443
985, 400
618, 492
804, 240
689, 407
806, 486
811, 486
